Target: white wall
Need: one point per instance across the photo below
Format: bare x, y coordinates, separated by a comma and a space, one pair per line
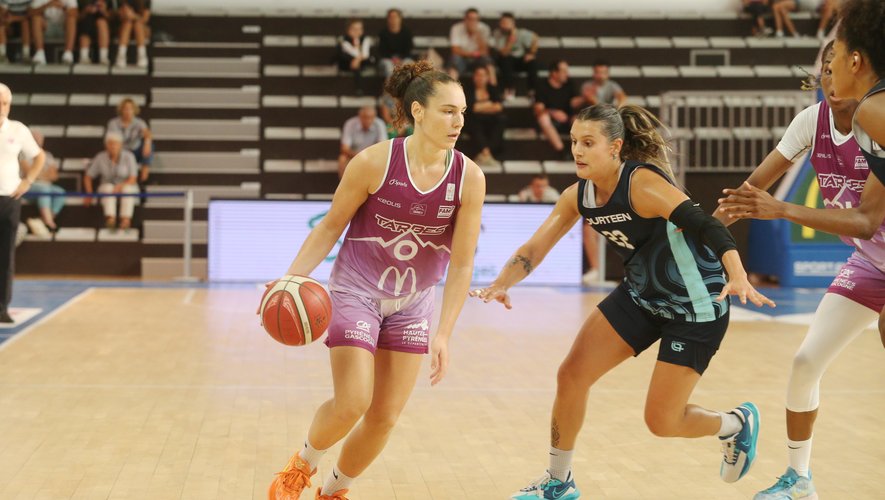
584, 7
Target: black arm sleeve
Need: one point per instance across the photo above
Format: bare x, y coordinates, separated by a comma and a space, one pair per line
690, 218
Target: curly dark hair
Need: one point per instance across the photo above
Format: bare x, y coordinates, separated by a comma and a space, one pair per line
413, 82
860, 21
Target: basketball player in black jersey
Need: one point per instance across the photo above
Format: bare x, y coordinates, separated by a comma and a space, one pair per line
858, 68
675, 290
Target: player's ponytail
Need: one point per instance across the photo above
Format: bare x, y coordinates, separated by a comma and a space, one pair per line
638, 128
413, 82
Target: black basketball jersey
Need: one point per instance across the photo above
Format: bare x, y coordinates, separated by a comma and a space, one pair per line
667, 273
872, 151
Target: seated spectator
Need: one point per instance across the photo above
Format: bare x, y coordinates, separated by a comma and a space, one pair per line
48, 19
516, 49
539, 191
117, 170
134, 17
556, 100
470, 44
15, 11
487, 120
601, 89
136, 135
354, 52
757, 9
395, 43
92, 24
387, 112
358, 133
781, 10
48, 206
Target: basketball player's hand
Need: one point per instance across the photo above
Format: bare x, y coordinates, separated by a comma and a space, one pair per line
741, 288
266, 286
439, 358
493, 292
750, 202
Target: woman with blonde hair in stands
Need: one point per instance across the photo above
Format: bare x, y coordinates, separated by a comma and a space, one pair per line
136, 134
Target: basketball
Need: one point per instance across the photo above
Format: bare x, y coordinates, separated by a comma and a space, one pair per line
296, 310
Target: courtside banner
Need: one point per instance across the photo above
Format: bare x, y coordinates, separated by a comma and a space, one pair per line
256, 240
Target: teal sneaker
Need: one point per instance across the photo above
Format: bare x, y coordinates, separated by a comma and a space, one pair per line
739, 450
790, 486
549, 488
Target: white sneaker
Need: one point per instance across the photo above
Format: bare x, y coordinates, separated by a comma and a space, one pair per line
142, 62
67, 57
591, 277
38, 228
121, 63
39, 58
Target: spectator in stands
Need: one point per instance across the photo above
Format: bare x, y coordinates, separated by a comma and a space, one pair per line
137, 137
15, 140
556, 101
355, 52
395, 43
782, 9
516, 50
134, 18
15, 11
118, 171
487, 120
757, 9
92, 24
48, 206
358, 133
470, 44
47, 16
601, 89
387, 112
539, 191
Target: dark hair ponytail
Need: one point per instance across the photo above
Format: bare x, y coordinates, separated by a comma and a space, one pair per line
638, 128
413, 82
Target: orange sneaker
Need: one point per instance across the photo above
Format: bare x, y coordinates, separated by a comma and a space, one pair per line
292, 480
338, 495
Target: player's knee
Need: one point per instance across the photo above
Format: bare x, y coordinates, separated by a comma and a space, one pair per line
570, 378
352, 408
381, 419
661, 423
804, 366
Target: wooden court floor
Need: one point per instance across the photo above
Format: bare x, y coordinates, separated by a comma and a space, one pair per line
178, 394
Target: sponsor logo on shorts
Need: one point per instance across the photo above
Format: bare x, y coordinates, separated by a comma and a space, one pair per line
363, 325
397, 183
360, 336
416, 333
445, 211
860, 163
677, 346
389, 203
418, 209
844, 283
422, 325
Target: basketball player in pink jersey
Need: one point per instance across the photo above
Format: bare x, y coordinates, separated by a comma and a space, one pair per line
414, 206
855, 297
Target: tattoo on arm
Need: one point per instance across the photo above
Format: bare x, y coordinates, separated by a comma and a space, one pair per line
554, 433
526, 263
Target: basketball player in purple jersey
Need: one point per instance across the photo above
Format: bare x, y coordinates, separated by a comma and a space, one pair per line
855, 297
414, 207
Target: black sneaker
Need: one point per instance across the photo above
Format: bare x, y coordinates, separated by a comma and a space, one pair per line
5, 317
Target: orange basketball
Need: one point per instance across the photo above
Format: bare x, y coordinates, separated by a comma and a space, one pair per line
296, 310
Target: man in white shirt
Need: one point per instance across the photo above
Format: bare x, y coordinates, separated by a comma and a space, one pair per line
15, 140
358, 133
470, 44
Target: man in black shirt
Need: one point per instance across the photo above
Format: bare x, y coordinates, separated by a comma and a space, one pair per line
394, 43
556, 101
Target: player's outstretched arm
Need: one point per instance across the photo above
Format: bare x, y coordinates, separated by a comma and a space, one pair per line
360, 178
763, 177
564, 216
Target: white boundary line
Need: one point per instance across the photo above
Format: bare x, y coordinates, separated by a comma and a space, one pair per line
44, 319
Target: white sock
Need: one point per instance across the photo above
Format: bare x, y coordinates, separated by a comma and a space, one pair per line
336, 481
40, 54
779, 33
730, 425
103, 54
26, 52
311, 455
84, 55
3, 49
142, 51
800, 455
560, 463
121, 54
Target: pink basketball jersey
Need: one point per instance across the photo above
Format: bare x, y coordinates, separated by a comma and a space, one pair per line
400, 240
842, 173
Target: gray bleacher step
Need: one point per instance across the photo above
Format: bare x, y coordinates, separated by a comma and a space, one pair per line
172, 231
244, 129
209, 162
118, 235
208, 67
75, 234
245, 97
202, 194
